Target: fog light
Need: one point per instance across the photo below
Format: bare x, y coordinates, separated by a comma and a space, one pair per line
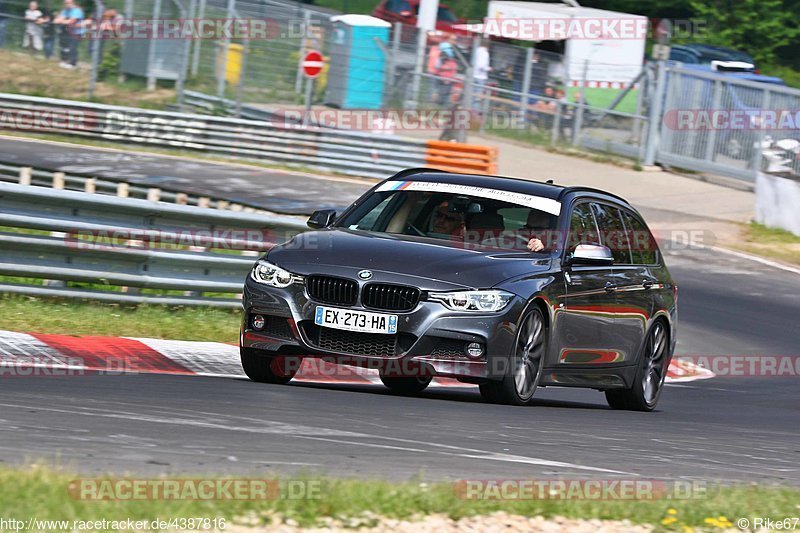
258, 322
474, 350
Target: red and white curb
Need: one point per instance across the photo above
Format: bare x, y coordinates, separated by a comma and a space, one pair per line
21, 352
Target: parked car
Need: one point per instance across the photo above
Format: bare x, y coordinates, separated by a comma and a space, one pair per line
719, 58
405, 11
432, 274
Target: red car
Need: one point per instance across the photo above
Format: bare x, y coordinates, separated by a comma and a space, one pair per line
405, 11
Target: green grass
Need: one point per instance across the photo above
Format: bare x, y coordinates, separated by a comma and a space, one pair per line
772, 242
42, 492
19, 313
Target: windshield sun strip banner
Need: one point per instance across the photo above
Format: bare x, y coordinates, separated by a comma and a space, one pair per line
547, 205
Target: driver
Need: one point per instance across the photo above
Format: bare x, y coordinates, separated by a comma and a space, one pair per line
447, 222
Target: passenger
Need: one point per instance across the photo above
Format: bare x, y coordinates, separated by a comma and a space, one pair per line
539, 228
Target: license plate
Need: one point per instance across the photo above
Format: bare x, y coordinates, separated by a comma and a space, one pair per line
355, 320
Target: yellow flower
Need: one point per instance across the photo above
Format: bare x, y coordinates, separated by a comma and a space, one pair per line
669, 520
672, 511
687, 529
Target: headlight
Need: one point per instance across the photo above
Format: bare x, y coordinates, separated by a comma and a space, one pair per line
479, 301
269, 274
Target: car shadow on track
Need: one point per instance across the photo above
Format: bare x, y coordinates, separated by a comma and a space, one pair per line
464, 395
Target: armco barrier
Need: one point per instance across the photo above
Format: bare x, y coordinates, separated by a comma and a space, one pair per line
332, 150
102, 240
86, 182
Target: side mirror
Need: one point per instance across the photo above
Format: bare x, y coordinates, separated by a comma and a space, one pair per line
321, 218
591, 254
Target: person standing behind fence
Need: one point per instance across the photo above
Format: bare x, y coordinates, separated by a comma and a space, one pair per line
45, 22
33, 31
448, 68
481, 74
71, 21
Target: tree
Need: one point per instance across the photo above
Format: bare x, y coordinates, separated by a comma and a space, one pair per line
759, 27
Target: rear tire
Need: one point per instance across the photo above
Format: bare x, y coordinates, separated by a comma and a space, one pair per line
650, 374
261, 368
407, 384
521, 381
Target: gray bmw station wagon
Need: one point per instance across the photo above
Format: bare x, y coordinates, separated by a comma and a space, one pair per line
504, 283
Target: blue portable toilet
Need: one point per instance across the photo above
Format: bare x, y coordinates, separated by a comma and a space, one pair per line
356, 76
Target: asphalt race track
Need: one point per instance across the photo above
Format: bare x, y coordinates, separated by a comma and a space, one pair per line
273, 190
726, 428
721, 429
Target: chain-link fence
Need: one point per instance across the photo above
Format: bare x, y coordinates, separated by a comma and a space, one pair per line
529, 93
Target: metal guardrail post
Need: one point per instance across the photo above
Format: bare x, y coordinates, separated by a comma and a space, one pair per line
469, 88
577, 121
554, 132
416, 80
711, 141
298, 78
151, 50
96, 43
526, 85
757, 155
223, 71
654, 117
201, 13
25, 175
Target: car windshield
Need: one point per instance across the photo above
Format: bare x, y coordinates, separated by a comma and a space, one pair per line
477, 217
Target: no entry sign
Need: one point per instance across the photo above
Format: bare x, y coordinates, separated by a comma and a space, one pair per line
312, 64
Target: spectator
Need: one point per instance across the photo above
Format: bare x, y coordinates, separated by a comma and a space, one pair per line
71, 21
45, 22
481, 75
448, 68
33, 31
539, 70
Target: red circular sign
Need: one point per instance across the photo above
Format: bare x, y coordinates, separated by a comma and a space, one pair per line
312, 64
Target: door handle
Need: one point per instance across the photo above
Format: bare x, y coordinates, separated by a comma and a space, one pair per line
648, 283
610, 287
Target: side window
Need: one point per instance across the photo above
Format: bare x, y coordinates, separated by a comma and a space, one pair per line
612, 232
582, 227
643, 244
397, 6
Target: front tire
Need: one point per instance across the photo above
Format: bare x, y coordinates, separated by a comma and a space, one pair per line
406, 384
650, 374
276, 369
519, 384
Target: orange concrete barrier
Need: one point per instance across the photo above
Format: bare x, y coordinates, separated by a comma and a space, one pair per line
461, 157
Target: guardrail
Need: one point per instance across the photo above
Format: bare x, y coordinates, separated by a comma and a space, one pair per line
25, 175
66, 238
331, 150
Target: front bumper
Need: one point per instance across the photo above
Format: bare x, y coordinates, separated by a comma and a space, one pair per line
430, 338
